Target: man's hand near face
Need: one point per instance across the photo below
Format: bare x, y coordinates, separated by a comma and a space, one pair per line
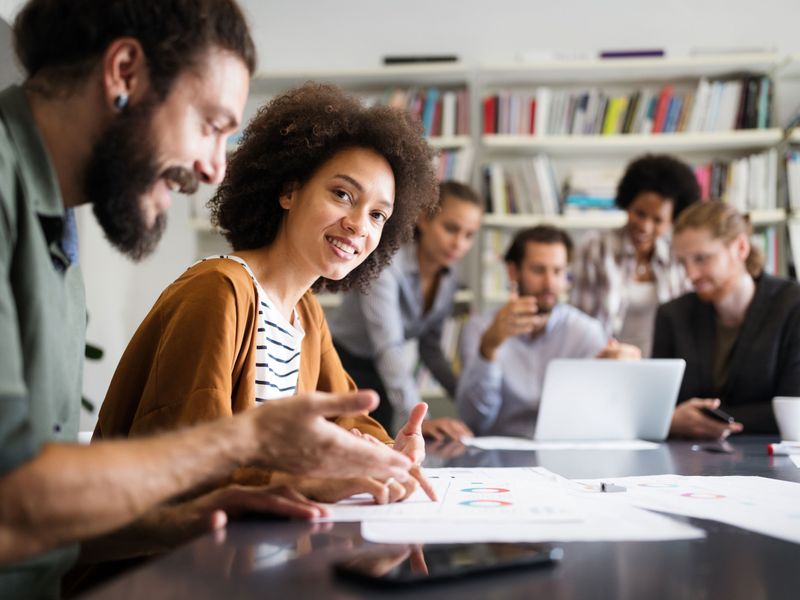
519, 315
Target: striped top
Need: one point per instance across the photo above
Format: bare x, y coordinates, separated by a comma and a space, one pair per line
277, 345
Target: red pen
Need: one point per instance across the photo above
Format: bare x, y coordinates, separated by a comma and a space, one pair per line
783, 448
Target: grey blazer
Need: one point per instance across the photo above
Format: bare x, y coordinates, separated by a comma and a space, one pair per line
765, 360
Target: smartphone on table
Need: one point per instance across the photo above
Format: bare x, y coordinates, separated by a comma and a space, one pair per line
407, 564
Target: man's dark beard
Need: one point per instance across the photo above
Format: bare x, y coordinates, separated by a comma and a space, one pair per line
121, 170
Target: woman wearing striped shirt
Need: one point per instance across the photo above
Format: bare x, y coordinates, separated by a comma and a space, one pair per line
320, 194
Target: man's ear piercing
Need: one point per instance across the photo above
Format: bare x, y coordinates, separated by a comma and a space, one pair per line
121, 101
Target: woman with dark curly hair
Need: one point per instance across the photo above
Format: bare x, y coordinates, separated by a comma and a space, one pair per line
320, 194
621, 276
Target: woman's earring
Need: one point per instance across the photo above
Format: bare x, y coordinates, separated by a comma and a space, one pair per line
121, 101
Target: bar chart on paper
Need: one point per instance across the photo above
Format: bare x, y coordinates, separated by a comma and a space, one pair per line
503, 495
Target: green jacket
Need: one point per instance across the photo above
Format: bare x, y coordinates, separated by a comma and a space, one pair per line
42, 321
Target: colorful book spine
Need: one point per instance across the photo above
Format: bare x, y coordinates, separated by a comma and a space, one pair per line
662, 107
490, 115
764, 98
429, 112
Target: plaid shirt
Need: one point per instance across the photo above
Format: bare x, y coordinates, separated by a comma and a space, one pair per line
606, 263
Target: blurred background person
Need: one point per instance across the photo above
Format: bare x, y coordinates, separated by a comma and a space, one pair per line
505, 351
410, 300
621, 276
739, 331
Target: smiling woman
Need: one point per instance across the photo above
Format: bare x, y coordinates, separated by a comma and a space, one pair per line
321, 193
285, 145
620, 277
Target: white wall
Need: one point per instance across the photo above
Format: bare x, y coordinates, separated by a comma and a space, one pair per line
308, 34
347, 33
9, 72
119, 293
8, 8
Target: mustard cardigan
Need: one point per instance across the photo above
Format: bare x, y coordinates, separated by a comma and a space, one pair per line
193, 357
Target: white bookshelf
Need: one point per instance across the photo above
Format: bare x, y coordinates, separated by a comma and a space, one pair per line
613, 151
366, 82
603, 220
450, 142
789, 68
437, 142
564, 150
395, 75
495, 298
765, 218
627, 70
743, 140
588, 220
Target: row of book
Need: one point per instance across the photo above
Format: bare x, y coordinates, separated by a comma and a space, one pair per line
748, 183
523, 186
715, 105
793, 179
591, 189
530, 186
444, 113
455, 164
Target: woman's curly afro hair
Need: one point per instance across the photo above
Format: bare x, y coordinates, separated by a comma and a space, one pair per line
662, 174
296, 133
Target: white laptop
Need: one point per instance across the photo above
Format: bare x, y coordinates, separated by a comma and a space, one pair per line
601, 399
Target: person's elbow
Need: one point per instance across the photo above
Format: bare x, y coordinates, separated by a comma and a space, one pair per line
470, 412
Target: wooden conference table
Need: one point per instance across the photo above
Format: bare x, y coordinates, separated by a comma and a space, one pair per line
279, 559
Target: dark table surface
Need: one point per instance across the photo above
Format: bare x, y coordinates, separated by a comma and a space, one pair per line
279, 559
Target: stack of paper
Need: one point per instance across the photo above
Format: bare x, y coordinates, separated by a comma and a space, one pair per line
767, 506
514, 443
505, 504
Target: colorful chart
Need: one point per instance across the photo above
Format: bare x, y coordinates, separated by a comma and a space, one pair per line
485, 490
484, 503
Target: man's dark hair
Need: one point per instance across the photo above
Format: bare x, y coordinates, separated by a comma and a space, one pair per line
662, 174
541, 234
61, 40
293, 136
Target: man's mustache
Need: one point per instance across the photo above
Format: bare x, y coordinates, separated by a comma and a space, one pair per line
185, 179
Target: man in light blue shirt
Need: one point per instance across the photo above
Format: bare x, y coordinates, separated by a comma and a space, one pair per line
505, 351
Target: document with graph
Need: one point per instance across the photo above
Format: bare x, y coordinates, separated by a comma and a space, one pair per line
507, 505
469, 494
